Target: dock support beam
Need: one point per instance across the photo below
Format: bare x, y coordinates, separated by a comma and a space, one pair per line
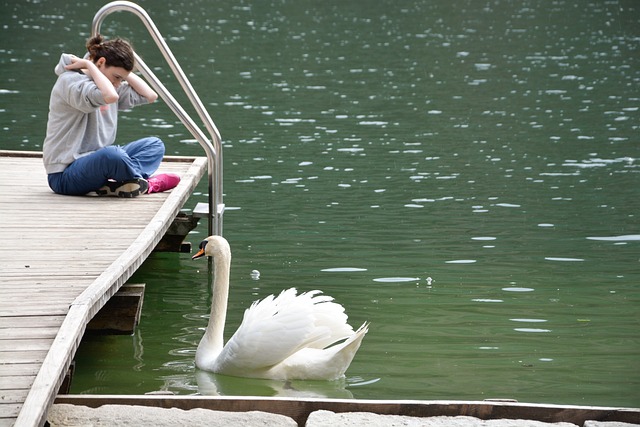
121, 314
173, 239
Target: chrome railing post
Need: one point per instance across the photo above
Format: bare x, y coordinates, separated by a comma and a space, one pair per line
213, 150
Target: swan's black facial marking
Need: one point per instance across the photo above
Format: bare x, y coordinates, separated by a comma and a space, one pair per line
200, 253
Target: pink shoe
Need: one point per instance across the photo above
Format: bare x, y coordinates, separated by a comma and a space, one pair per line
162, 182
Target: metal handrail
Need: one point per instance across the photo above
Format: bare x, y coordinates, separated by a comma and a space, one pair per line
213, 150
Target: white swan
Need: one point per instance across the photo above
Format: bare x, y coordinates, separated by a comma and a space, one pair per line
285, 337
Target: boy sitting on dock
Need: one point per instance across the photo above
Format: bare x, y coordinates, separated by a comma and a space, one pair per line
78, 151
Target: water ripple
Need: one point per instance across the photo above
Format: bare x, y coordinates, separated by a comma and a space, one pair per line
564, 259
624, 238
395, 279
518, 289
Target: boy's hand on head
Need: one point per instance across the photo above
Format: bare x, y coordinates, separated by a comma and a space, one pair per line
77, 63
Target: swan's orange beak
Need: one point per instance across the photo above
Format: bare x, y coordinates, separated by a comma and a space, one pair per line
199, 254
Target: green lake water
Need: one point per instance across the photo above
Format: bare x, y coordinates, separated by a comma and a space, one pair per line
464, 175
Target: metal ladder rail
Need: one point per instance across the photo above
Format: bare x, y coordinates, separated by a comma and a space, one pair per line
213, 151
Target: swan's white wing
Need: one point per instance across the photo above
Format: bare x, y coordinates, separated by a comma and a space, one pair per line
331, 318
276, 327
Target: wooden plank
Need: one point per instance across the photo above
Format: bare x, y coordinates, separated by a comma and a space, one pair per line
14, 396
37, 344
31, 321
16, 383
19, 370
33, 309
8, 414
22, 357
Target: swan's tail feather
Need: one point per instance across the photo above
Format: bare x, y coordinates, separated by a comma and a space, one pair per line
327, 364
357, 336
347, 350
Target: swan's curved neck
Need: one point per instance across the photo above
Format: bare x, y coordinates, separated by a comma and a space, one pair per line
215, 329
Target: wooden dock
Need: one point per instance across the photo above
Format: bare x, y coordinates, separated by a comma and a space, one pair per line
61, 259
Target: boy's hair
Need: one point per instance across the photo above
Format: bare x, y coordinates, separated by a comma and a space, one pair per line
117, 52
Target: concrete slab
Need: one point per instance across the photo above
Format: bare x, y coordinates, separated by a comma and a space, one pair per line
65, 415
357, 419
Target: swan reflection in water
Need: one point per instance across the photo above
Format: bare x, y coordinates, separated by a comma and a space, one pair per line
210, 384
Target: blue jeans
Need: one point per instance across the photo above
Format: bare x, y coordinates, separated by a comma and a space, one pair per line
138, 159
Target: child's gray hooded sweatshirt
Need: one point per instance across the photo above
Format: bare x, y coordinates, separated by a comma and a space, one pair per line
80, 121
